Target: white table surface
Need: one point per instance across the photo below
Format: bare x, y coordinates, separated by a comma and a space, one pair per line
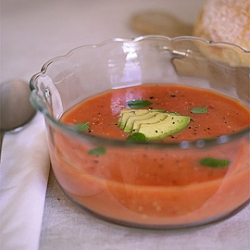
33, 32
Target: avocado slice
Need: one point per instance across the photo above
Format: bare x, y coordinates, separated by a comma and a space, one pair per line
130, 121
159, 130
155, 124
155, 118
126, 113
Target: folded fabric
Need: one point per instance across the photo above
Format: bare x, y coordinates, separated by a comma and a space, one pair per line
24, 173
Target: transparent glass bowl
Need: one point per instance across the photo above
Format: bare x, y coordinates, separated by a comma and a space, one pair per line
109, 189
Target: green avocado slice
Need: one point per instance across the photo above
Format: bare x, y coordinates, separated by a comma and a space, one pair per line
155, 124
126, 113
130, 121
155, 118
159, 130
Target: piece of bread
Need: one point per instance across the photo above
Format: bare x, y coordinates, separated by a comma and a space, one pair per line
225, 21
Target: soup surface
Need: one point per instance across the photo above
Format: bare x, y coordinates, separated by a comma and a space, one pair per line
147, 185
223, 115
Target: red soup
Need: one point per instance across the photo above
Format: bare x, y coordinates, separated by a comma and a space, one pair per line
153, 184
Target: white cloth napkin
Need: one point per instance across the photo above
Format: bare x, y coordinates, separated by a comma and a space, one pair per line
23, 180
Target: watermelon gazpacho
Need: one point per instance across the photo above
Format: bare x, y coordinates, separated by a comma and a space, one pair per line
159, 170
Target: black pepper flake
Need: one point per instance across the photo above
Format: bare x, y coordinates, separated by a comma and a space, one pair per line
151, 97
173, 95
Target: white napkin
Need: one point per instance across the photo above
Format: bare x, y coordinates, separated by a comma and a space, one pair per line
23, 180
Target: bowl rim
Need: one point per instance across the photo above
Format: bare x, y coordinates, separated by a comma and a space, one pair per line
140, 38
185, 144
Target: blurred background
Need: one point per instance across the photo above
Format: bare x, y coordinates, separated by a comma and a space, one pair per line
33, 32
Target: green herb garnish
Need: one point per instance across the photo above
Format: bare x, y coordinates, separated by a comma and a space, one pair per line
199, 110
82, 126
97, 151
214, 163
139, 103
137, 137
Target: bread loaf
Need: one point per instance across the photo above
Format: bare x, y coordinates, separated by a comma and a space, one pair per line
225, 21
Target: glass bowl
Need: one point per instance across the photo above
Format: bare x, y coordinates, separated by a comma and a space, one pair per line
107, 184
